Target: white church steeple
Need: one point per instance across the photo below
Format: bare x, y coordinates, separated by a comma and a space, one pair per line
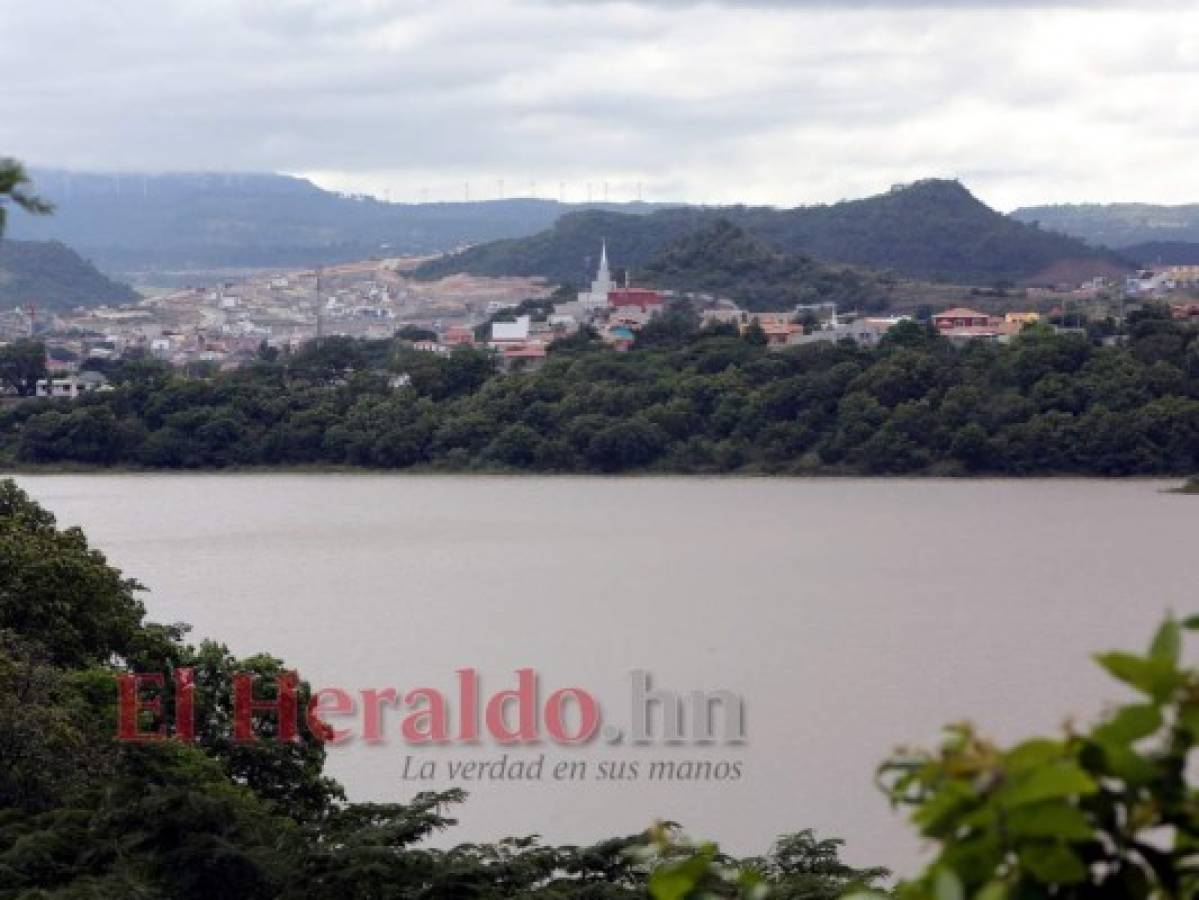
597, 297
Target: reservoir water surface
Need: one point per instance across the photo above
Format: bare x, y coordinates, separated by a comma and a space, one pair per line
852, 616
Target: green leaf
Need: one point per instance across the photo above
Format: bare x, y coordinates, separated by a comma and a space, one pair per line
953, 799
1053, 782
1167, 643
1128, 765
670, 885
1129, 724
1049, 820
1033, 753
1151, 676
947, 886
1053, 864
1191, 623
993, 890
676, 881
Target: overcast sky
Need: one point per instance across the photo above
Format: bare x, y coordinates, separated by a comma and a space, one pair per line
765, 102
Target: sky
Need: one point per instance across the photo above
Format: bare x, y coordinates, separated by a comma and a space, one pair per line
781, 103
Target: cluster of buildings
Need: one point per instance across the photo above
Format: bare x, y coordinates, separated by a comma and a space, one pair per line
1162, 282
227, 325
616, 312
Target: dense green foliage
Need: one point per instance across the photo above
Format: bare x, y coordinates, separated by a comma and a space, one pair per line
22, 366
1102, 812
85, 816
688, 402
54, 277
726, 261
930, 230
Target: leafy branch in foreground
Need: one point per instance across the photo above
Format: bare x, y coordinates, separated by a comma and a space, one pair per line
799, 866
1107, 812
14, 187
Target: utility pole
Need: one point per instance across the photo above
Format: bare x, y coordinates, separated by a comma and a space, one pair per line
320, 309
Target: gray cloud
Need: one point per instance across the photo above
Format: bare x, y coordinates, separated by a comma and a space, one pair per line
765, 102
892, 5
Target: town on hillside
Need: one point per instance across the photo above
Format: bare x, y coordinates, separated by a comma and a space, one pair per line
228, 325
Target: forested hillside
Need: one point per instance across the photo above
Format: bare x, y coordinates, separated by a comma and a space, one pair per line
934, 230
54, 277
724, 259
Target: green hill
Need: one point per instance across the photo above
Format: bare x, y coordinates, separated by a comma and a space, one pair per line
54, 277
724, 259
933, 230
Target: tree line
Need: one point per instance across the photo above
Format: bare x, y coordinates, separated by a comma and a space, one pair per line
684, 400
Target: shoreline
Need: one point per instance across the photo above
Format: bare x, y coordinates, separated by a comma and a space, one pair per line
1186, 487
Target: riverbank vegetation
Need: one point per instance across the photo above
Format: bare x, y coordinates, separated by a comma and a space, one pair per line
684, 400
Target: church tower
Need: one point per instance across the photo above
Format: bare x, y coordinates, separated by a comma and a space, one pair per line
603, 276
597, 297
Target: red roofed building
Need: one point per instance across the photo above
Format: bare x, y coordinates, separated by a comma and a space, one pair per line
960, 318
642, 298
457, 335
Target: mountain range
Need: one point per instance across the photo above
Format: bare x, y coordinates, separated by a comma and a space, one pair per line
933, 230
135, 223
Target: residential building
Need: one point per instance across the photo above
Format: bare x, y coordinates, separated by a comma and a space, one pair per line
641, 298
458, 335
510, 332
777, 327
1022, 318
864, 332
72, 386
960, 317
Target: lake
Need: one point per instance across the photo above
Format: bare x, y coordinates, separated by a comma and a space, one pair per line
851, 616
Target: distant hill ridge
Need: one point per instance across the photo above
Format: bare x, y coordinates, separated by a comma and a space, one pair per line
933, 229
138, 222
54, 277
1119, 225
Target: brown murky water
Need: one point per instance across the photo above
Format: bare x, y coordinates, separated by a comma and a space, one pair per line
850, 615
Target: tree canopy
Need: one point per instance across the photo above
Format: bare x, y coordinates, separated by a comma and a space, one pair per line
685, 399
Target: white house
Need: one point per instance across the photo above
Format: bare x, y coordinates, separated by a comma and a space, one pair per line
510, 332
73, 386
